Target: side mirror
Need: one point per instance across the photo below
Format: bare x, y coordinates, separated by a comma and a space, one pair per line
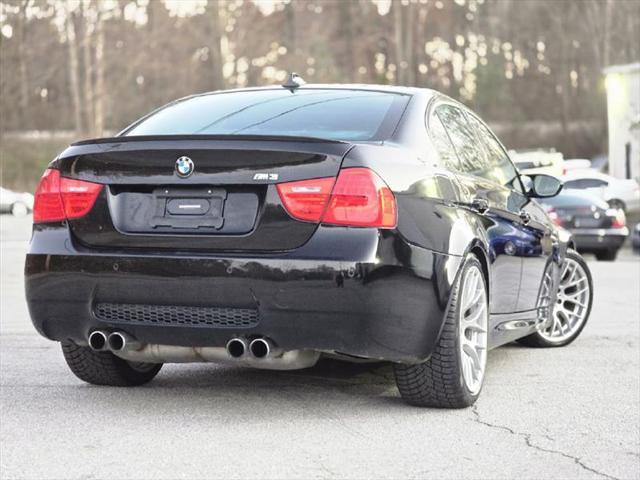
541, 186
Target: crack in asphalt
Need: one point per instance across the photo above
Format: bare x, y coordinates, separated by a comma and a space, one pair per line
527, 440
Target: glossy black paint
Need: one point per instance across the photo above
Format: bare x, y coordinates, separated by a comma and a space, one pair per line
364, 292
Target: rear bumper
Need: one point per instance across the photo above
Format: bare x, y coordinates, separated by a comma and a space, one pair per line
359, 292
599, 238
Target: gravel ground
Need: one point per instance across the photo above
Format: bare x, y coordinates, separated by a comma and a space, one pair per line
572, 412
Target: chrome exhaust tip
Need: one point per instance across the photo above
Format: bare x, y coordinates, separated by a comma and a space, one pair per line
260, 347
236, 347
98, 340
119, 341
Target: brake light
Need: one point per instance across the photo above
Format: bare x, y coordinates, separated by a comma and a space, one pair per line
359, 198
58, 198
47, 203
553, 216
619, 219
306, 199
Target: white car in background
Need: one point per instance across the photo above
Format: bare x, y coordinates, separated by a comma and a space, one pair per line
618, 193
575, 164
548, 162
18, 204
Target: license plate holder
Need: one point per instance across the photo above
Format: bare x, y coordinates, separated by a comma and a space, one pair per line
192, 208
586, 222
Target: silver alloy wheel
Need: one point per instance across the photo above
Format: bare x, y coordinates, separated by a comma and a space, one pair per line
572, 302
474, 316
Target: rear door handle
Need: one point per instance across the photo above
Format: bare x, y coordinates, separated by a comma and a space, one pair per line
525, 217
480, 205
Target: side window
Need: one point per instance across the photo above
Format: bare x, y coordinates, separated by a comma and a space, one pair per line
573, 184
442, 143
594, 183
585, 183
501, 170
472, 159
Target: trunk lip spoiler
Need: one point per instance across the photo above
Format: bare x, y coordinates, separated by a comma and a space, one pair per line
155, 138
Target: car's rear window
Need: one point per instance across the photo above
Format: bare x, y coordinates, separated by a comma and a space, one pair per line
350, 115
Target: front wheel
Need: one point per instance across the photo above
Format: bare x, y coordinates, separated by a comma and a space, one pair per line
454, 374
571, 310
104, 368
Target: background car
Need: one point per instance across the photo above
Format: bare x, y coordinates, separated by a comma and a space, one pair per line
635, 237
618, 193
18, 204
548, 162
575, 164
596, 227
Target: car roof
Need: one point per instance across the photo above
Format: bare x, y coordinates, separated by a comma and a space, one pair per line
392, 89
335, 86
586, 173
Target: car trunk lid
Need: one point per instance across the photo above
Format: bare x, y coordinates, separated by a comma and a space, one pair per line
229, 202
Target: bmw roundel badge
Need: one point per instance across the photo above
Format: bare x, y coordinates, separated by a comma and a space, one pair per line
184, 167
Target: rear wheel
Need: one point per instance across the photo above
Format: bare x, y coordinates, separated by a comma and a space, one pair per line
19, 209
454, 374
606, 255
571, 310
619, 204
104, 368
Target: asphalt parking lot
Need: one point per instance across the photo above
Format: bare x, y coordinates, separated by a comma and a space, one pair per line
572, 412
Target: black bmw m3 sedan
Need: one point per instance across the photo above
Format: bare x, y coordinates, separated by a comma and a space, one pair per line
269, 227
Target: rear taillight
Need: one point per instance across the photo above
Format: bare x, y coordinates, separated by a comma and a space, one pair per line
619, 219
359, 198
306, 199
553, 215
58, 198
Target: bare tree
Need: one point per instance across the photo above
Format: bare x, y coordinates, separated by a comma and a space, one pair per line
100, 92
23, 44
217, 80
74, 81
87, 54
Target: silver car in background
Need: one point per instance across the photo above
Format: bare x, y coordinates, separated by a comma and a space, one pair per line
18, 204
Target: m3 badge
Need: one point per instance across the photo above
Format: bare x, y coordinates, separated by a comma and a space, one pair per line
265, 176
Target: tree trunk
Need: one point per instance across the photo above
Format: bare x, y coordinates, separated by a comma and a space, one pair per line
217, 79
22, 63
87, 60
398, 30
410, 71
100, 92
74, 81
346, 31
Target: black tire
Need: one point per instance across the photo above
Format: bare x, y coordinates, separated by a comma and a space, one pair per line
619, 204
606, 255
439, 382
104, 368
536, 340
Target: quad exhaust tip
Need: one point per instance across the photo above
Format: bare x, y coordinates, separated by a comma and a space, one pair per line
98, 340
236, 347
260, 347
119, 341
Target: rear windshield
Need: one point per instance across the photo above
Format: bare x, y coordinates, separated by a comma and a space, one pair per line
350, 115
